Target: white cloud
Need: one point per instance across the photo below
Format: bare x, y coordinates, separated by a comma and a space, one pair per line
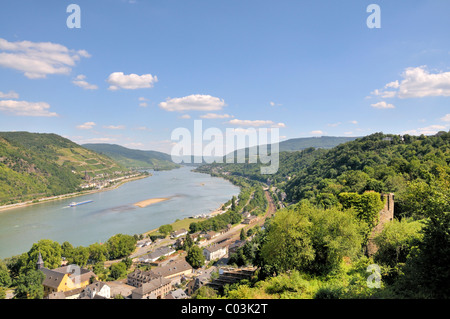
429, 130
334, 124
354, 122
215, 116
275, 104
143, 99
24, 108
86, 126
39, 59
95, 140
80, 81
394, 85
256, 123
383, 105
143, 128
417, 82
9, 95
119, 80
115, 127
446, 118
318, 132
185, 116
143, 104
195, 102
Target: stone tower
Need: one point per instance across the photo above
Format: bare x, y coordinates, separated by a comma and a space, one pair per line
385, 215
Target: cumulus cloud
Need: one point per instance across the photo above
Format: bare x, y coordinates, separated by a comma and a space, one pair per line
317, 132
115, 127
119, 80
418, 82
24, 108
215, 116
80, 81
86, 126
39, 59
195, 102
256, 123
9, 95
383, 105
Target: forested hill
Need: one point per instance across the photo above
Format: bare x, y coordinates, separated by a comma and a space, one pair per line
34, 165
405, 165
134, 158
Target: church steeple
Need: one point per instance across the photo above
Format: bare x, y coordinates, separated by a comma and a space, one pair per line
40, 262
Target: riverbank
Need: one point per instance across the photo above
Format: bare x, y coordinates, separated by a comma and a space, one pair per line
67, 196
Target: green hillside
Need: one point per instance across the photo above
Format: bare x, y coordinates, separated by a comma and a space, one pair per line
316, 243
131, 158
36, 165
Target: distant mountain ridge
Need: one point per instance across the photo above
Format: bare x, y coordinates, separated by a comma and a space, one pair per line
301, 143
327, 142
132, 158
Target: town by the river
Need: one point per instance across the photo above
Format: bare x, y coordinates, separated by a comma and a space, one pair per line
112, 212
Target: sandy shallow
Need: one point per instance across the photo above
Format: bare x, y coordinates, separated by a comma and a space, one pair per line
150, 201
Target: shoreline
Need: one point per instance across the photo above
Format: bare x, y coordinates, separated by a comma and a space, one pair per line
66, 196
212, 213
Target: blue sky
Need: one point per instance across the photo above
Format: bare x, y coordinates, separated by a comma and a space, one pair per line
136, 70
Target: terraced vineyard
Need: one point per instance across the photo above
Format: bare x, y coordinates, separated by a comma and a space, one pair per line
36, 165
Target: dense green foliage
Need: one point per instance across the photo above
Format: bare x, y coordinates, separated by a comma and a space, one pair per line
134, 158
316, 246
36, 165
195, 257
379, 162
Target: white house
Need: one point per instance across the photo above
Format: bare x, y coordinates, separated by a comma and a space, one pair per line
96, 290
215, 252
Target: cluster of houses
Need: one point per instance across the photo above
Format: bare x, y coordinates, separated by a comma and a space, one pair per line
162, 281
102, 181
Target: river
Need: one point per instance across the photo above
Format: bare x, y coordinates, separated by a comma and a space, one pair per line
112, 212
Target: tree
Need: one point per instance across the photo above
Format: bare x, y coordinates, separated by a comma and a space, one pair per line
165, 229
233, 203
50, 251
396, 241
188, 243
205, 292
29, 285
97, 253
242, 235
79, 256
118, 270
120, 246
288, 245
334, 234
195, 257
5, 279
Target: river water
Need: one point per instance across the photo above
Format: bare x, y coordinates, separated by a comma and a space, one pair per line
112, 212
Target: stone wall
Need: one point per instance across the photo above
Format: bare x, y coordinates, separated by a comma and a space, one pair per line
386, 215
